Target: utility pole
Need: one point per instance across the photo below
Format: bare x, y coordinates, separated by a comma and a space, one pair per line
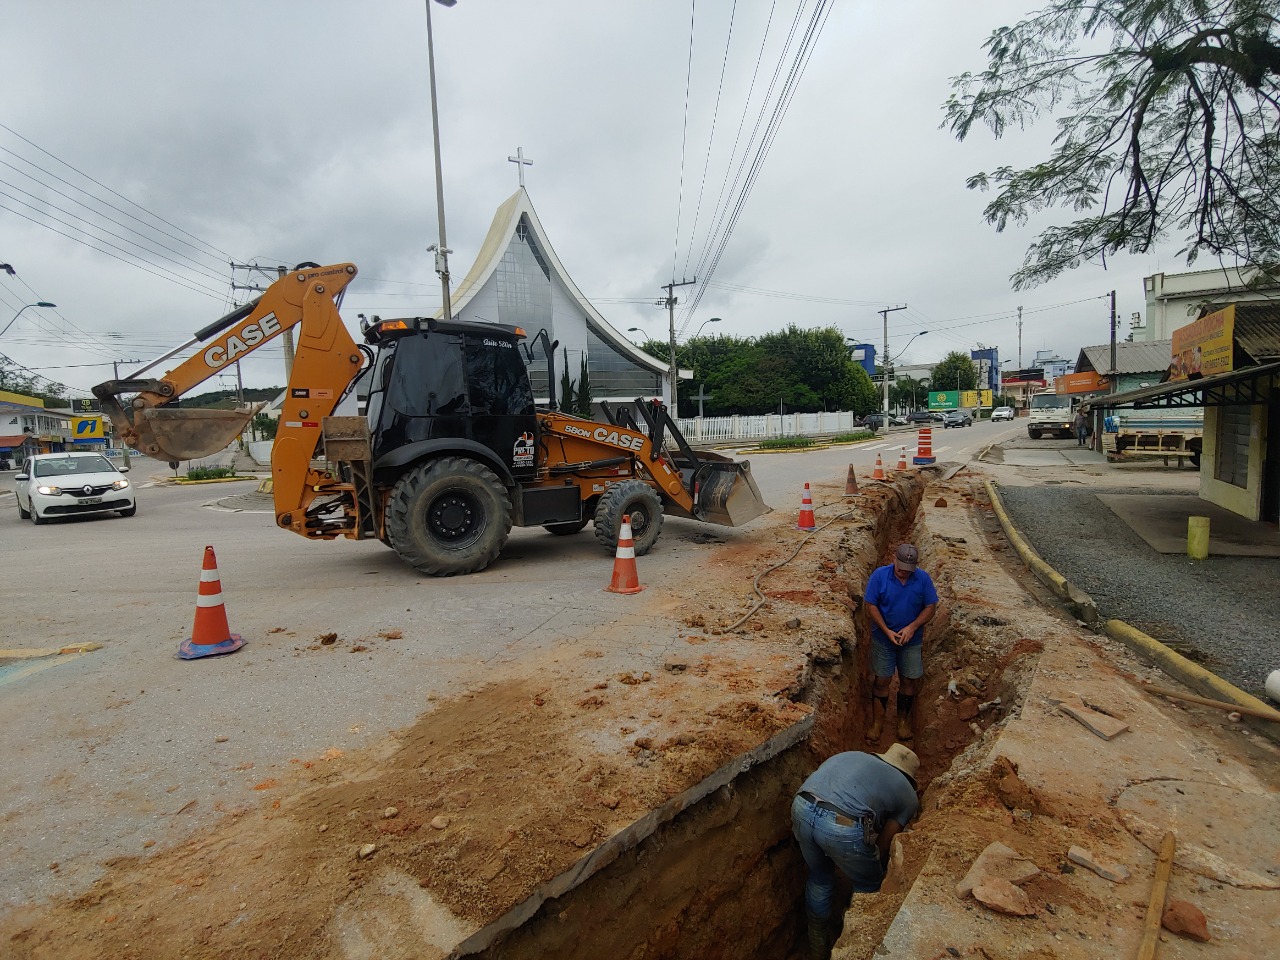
1113, 341
287, 336
670, 303
115, 366
1019, 338
884, 366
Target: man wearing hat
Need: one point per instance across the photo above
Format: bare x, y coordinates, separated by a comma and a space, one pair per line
900, 599
845, 817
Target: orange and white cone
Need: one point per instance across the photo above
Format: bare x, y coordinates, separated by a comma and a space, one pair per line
626, 579
806, 521
924, 447
878, 474
850, 483
210, 636
902, 458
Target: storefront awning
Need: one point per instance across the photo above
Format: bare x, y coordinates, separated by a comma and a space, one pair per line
1245, 386
9, 443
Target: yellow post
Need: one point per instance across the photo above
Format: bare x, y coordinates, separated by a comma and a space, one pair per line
1198, 538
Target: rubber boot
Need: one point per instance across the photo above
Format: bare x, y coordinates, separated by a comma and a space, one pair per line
817, 940
877, 721
905, 731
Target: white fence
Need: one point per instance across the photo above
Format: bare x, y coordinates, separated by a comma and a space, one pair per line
764, 426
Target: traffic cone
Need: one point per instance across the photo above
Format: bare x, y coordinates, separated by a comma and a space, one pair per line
850, 483
878, 473
902, 458
210, 636
806, 512
626, 579
924, 447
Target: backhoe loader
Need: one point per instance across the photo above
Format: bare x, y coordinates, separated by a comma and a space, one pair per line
452, 451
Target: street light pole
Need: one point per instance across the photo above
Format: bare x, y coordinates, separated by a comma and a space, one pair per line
42, 303
442, 249
885, 366
704, 323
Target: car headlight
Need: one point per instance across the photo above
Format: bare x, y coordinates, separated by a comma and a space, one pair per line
120, 485
49, 491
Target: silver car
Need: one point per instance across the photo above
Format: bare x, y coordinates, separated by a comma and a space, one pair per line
53, 485
1002, 413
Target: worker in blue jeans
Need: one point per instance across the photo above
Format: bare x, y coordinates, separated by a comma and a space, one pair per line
900, 599
845, 817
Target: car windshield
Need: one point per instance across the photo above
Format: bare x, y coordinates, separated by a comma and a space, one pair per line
69, 466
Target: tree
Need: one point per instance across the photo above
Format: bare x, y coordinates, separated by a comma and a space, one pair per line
955, 372
1169, 126
583, 399
567, 401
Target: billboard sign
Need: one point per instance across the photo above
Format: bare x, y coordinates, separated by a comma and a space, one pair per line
1204, 347
86, 429
955, 399
1080, 383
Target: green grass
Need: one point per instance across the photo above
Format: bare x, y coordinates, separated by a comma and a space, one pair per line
209, 473
853, 437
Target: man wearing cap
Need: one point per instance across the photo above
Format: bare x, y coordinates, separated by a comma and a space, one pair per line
845, 817
900, 600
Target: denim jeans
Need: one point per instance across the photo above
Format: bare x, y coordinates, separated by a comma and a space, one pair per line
826, 846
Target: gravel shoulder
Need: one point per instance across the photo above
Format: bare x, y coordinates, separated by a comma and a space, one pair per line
1220, 612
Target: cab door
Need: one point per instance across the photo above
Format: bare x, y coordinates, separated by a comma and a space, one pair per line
502, 411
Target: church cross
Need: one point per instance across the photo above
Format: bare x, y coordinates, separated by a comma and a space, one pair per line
520, 163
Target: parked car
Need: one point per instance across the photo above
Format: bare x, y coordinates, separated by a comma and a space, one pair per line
920, 416
873, 421
1002, 413
66, 484
957, 418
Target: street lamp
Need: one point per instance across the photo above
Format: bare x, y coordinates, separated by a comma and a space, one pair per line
635, 330
42, 303
704, 323
441, 249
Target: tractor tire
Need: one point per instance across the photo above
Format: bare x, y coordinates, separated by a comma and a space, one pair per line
637, 499
23, 514
449, 516
567, 529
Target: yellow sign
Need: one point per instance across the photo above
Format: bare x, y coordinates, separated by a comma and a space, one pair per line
969, 398
86, 428
1204, 347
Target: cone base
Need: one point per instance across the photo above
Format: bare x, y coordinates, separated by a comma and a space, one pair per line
194, 651
919, 461
801, 526
612, 588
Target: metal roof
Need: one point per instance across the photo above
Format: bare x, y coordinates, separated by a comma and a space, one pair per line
1140, 356
1247, 385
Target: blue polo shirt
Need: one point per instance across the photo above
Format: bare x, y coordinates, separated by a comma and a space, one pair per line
899, 603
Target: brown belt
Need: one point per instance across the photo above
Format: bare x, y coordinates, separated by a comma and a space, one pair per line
842, 819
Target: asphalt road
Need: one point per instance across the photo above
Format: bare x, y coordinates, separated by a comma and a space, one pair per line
101, 751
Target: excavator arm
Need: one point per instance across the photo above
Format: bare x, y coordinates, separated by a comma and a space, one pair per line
326, 361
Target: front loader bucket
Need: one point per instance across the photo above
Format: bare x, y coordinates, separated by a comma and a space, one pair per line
726, 493
178, 434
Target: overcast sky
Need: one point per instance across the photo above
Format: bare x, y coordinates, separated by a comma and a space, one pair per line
285, 132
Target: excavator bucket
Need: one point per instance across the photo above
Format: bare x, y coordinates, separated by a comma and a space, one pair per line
177, 434
725, 491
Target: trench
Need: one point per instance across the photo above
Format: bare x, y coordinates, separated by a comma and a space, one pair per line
724, 878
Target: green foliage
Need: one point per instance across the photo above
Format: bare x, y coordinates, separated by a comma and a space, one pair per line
209, 473
583, 399
567, 398
955, 372
855, 437
1166, 115
785, 443
264, 427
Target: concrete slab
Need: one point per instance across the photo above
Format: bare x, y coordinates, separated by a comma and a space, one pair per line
1162, 522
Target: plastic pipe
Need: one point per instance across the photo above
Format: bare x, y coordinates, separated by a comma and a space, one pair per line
1198, 538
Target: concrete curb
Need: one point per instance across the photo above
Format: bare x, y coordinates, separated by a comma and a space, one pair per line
1191, 674
1079, 602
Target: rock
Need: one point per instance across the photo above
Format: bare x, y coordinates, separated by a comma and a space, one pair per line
940, 502
220, 739
675, 666
997, 862
968, 708
1003, 897
390, 813
1234, 716
793, 623
1186, 919
440, 822
367, 851
1103, 868
322, 828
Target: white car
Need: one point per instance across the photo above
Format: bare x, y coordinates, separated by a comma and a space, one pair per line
53, 485
1002, 413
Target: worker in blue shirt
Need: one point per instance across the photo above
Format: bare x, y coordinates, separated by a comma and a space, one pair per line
900, 599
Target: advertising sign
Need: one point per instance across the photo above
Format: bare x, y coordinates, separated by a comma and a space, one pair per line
1089, 382
970, 399
943, 399
85, 405
1204, 347
86, 428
